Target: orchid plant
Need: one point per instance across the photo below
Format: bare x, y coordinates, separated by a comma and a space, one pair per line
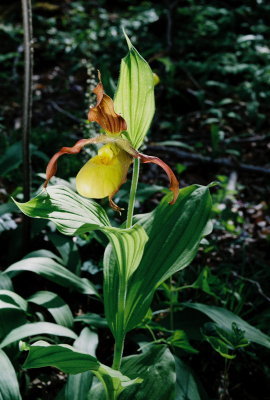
141, 254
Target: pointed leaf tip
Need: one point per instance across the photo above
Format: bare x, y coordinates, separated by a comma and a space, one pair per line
130, 45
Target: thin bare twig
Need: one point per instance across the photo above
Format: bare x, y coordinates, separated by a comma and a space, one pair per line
62, 111
199, 159
253, 282
27, 109
27, 96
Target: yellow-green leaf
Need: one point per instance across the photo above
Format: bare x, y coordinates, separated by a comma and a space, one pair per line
134, 98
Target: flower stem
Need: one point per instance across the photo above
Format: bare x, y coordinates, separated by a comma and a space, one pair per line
133, 189
120, 337
118, 352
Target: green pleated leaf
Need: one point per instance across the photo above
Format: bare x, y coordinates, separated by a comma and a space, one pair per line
44, 253
68, 250
72, 214
72, 217
55, 306
220, 347
174, 232
36, 328
12, 312
5, 282
186, 386
9, 387
13, 298
71, 361
156, 367
78, 386
92, 319
224, 341
128, 245
225, 320
53, 271
64, 357
134, 98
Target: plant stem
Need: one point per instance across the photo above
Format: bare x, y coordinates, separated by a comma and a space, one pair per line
118, 352
171, 303
119, 340
133, 189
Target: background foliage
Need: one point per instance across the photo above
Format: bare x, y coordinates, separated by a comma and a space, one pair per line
212, 60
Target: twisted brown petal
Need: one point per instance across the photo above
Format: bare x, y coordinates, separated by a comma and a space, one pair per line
52, 165
174, 184
128, 150
113, 205
103, 113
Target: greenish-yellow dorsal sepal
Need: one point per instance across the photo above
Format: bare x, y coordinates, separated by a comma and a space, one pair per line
134, 98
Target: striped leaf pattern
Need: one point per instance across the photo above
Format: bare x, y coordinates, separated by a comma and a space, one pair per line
134, 98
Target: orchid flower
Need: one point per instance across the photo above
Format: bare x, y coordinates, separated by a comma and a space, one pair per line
103, 175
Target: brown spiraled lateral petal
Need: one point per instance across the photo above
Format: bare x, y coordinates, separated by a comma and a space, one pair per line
114, 206
103, 113
174, 184
52, 165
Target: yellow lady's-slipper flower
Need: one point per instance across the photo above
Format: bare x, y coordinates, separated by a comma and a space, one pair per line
103, 175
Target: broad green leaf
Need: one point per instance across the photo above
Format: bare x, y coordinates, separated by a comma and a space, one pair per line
97, 391
12, 157
71, 361
13, 298
63, 357
12, 312
186, 386
55, 305
36, 328
225, 318
10, 318
205, 281
87, 342
220, 346
179, 339
72, 214
78, 386
174, 232
53, 271
9, 387
5, 282
114, 381
7, 305
134, 98
128, 245
156, 366
224, 341
68, 250
92, 319
44, 253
